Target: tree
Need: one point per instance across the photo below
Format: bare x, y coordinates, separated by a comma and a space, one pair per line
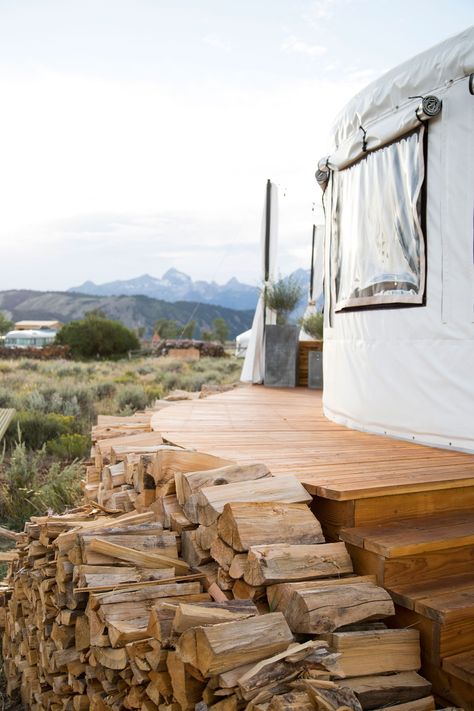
221, 330
188, 330
5, 324
96, 336
166, 328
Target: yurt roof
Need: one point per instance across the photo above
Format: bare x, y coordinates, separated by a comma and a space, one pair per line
423, 74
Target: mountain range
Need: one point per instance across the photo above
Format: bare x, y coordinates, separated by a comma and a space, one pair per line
177, 286
134, 311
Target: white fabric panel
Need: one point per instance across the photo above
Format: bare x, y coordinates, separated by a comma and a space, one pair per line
378, 245
408, 372
254, 363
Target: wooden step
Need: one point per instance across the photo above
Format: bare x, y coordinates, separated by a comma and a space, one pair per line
462, 667
410, 594
375, 510
458, 691
425, 550
439, 639
420, 535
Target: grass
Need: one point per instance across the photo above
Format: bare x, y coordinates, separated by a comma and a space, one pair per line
57, 402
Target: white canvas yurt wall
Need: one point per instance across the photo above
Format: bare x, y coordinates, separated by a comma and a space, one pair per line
399, 275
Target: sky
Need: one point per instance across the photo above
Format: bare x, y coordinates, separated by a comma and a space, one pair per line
138, 135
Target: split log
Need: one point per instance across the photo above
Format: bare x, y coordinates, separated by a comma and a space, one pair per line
205, 535
243, 591
191, 551
210, 613
186, 689
194, 481
426, 704
221, 647
238, 566
141, 558
329, 696
324, 609
222, 553
163, 544
162, 614
281, 562
291, 701
387, 690
224, 581
283, 666
378, 652
210, 501
243, 525
279, 595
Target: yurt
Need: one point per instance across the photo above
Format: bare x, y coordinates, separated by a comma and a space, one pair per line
399, 274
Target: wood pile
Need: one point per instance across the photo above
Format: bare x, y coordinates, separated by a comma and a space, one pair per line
191, 583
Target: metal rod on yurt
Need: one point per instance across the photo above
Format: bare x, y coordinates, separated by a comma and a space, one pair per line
311, 275
266, 263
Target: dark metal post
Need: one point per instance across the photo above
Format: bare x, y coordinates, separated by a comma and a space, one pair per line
311, 278
268, 209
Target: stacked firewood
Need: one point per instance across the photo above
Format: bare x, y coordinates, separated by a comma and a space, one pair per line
216, 592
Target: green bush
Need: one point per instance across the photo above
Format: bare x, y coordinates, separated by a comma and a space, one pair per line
132, 398
8, 398
34, 429
104, 390
97, 337
29, 486
313, 325
69, 446
154, 392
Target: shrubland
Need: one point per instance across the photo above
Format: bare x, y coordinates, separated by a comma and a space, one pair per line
56, 404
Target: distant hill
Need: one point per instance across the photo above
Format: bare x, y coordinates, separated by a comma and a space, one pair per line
133, 311
177, 286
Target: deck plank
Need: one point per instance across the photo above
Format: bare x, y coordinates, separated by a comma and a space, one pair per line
286, 429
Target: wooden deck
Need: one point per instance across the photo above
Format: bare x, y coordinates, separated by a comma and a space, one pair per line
287, 430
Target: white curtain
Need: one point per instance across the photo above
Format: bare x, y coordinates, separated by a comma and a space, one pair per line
254, 363
315, 303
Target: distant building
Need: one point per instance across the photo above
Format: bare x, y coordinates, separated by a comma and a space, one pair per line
32, 338
38, 325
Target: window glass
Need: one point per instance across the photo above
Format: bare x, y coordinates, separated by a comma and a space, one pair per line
377, 244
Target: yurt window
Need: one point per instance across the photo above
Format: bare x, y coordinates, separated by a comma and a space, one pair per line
377, 243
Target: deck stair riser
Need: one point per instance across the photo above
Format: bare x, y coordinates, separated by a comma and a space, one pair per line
375, 510
427, 565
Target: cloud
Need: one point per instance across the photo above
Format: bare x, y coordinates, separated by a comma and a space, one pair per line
292, 45
318, 10
217, 42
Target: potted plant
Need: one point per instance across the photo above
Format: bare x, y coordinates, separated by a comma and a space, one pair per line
281, 339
